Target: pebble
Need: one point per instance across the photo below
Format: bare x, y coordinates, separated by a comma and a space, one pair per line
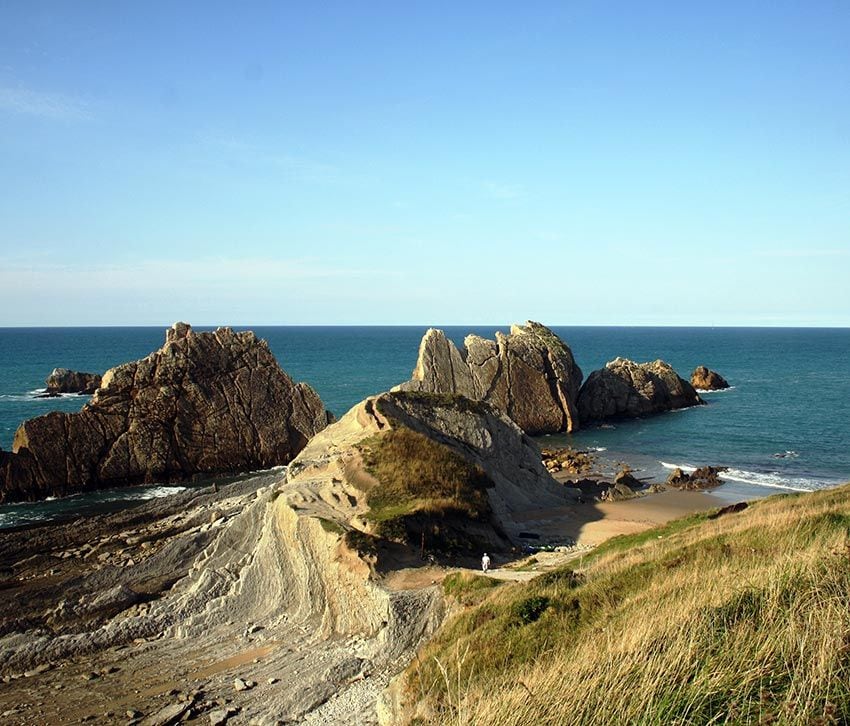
243, 685
272, 681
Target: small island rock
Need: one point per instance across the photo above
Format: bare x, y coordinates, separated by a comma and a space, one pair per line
625, 389
62, 380
705, 379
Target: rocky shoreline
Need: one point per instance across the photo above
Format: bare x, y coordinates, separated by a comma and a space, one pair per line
298, 594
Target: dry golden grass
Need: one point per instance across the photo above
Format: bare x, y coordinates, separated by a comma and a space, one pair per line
743, 619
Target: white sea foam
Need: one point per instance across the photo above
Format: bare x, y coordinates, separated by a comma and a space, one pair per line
142, 493
597, 448
717, 390
687, 468
773, 480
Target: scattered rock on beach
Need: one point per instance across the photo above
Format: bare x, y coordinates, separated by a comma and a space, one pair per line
567, 460
529, 374
705, 379
625, 389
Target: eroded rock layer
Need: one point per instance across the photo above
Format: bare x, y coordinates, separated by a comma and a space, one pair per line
529, 374
203, 403
625, 389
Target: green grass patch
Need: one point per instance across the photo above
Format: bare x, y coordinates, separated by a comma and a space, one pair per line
331, 526
468, 588
424, 489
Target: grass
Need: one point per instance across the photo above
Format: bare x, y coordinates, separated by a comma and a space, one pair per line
744, 619
467, 588
424, 489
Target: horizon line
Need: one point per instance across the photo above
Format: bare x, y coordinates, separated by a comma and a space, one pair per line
777, 326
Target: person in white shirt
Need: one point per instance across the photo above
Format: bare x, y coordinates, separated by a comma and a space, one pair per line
485, 562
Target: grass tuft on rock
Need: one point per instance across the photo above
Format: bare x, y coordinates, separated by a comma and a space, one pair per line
423, 488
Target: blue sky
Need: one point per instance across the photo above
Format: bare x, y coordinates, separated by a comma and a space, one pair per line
425, 163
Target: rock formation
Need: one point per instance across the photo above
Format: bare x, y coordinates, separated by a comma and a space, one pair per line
278, 576
625, 389
62, 380
705, 477
203, 403
705, 379
529, 374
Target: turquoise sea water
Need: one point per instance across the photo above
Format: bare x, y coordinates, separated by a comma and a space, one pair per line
785, 423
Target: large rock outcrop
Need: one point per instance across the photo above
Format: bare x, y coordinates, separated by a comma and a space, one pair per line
625, 389
280, 576
203, 403
62, 380
529, 374
705, 379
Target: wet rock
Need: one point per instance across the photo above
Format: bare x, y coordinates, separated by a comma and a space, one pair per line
529, 374
203, 403
705, 477
705, 379
625, 389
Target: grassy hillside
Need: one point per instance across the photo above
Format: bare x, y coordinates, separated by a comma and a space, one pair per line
743, 618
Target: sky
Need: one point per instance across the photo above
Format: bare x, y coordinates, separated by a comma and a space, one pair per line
577, 163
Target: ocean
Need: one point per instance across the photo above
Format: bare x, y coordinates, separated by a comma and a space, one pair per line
784, 424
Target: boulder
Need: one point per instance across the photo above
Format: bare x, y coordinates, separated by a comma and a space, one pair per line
705, 477
705, 379
626, 478
529, 374
62, 380
203, 403
617, 492
625, 389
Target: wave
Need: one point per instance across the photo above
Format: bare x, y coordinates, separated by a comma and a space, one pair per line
717, 390
597, 448
772, 480
37, 394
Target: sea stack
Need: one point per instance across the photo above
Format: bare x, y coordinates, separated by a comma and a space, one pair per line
530, 375
62, 380
625, 389
705, 379
203, 403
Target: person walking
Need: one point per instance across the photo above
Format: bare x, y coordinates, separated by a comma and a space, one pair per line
485, 562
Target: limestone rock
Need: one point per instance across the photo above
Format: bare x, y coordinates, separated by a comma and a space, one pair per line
705, 379
625, 389
62, 380
529, 374
203, 403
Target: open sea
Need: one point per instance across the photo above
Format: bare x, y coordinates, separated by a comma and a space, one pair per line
784, 424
